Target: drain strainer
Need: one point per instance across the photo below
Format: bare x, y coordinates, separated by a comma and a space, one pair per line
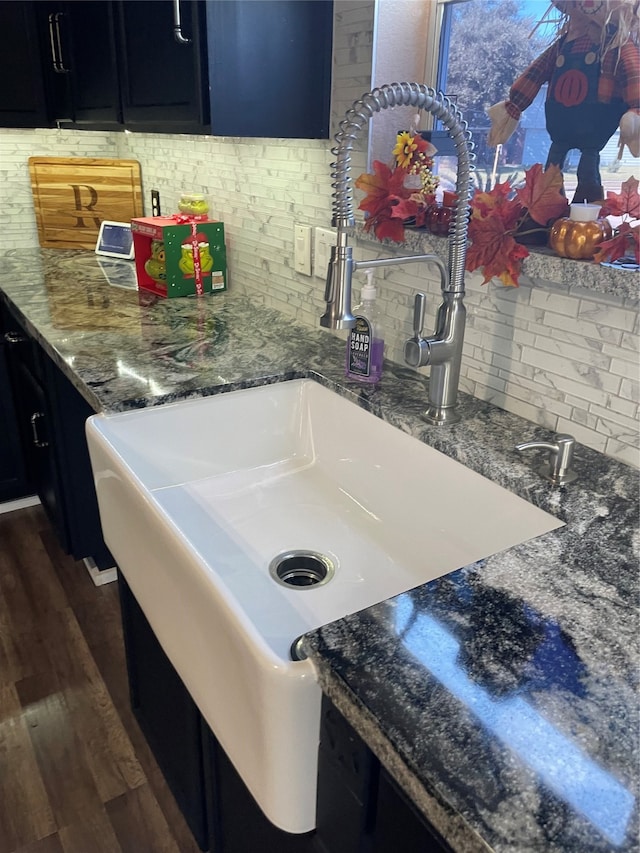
301, 569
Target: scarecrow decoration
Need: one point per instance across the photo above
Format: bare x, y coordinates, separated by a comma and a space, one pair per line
593, 72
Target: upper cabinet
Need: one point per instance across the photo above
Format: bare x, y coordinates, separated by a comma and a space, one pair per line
23, 99
270, 67
79, 62
225, 67
58, 64
163, 65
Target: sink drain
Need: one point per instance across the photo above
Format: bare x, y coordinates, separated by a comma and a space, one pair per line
301, 569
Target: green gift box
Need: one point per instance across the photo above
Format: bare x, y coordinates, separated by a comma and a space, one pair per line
179, 255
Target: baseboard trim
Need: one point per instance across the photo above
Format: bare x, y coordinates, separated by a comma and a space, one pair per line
98, 577
19, 503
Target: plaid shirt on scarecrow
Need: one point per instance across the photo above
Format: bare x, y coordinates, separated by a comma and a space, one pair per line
619, 75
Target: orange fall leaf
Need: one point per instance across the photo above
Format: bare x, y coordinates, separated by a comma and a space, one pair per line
542, 194
624, 203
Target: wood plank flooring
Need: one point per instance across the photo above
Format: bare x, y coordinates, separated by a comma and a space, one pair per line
76, 774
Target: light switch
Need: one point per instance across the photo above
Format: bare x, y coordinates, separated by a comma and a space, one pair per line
302, 249
325, 238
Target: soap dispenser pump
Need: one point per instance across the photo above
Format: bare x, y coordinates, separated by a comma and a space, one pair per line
365, 344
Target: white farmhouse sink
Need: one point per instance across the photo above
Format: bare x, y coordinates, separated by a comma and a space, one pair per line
196, 500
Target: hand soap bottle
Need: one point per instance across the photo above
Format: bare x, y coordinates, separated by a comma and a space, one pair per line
365, 344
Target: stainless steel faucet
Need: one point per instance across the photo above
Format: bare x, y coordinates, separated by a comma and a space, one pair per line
443, 349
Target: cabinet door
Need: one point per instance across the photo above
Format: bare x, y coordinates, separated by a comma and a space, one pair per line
34, 426
58, 64
166, 713
51, 416
23, 100
238, 824
399, 826
347, 784
270, 67
163, 79
13, 482
87, 35
69, 412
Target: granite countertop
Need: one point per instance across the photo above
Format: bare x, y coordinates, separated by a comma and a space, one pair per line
502, 697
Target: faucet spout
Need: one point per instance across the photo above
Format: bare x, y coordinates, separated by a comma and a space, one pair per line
338, 287
443, 349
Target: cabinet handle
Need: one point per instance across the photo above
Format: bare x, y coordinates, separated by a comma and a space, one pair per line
55, 40
52, 43
35, 417
177, 25
15, 338
61, 66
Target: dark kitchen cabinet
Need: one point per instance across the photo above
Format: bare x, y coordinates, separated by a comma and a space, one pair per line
33, 416
68, 413
399, 826
51, 415
83, 70
166, 713
360, 807
13, 476
102, 64
236, 822
164, 84
23, 95
59, 64
270, 67
258, 68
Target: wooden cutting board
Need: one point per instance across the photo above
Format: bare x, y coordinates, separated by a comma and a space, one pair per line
73, 195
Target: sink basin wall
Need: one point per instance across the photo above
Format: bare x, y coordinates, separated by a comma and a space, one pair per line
196, 499
261, 708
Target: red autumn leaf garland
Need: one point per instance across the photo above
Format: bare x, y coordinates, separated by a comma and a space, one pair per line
388, 202
542, 194
494, 250
498, 218
624, 203
384, 190
625, 242
500, 198
497, 215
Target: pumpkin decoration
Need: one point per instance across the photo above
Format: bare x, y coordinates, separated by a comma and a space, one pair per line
578, 235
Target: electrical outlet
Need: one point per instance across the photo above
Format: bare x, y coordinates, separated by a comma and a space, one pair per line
302, 249
155, 202
325, 239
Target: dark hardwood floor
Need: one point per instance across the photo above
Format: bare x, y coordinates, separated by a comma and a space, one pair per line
76, 774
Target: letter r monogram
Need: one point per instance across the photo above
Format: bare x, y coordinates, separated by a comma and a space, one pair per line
93, 199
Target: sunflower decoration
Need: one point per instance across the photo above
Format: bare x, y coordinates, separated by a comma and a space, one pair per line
405, 148
415, 155
389, 202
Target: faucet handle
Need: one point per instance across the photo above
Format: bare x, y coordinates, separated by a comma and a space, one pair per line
419, 306
558, 469
416, 349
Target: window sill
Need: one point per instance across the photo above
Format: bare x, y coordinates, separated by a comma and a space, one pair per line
542, 264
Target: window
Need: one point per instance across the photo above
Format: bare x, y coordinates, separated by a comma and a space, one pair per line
483, 46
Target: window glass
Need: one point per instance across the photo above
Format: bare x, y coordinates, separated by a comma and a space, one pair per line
485, 45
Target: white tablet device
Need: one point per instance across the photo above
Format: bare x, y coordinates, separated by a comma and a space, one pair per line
115, 240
